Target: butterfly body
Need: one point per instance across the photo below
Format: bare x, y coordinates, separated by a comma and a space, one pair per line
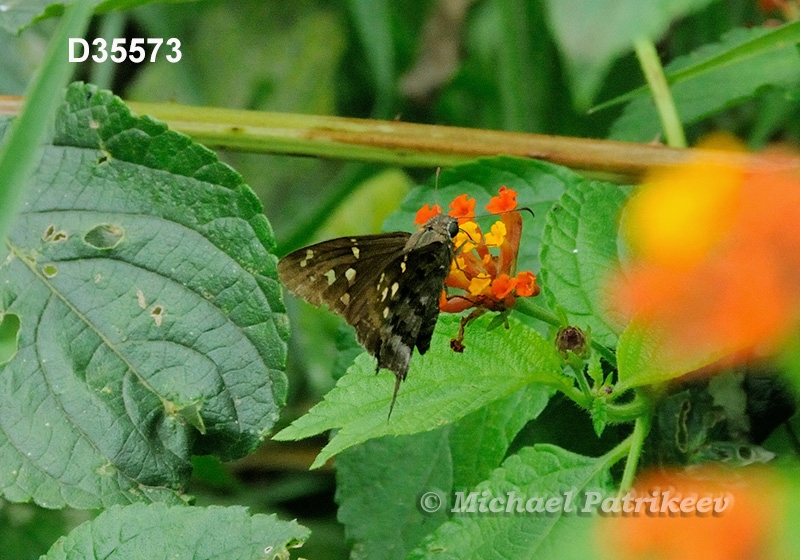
386, 286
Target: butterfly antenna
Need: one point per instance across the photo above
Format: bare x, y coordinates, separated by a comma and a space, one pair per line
436, 186
397, 381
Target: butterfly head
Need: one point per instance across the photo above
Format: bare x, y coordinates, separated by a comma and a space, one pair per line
438, 228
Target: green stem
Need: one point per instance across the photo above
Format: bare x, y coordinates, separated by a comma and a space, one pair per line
576, 364
654, 73
626, 412
618, 452
617, 413
640, 430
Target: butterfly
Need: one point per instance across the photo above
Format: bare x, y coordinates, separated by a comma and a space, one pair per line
387, 286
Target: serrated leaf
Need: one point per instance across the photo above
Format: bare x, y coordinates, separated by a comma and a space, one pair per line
542, 471
142, 278
158, 531
384, 518
591, 34
644, 359
479, 442
599, 416
579, 250
744, 60
442, 386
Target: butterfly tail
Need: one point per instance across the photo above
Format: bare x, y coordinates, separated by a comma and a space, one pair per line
397, 381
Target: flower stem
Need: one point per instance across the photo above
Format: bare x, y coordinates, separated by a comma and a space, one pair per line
654, 73
640, 430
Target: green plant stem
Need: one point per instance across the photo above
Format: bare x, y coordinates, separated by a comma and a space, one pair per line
20, 152
576, 364
618, 452
654, 73
408, 144
411, 144
640, 430
617, 413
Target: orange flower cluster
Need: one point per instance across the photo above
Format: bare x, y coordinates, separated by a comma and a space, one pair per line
485, 263
716, 255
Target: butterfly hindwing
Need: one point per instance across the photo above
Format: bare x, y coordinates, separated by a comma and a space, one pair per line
409, 295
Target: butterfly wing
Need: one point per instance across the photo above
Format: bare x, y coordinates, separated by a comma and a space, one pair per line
386, 286
344, 274
409, 303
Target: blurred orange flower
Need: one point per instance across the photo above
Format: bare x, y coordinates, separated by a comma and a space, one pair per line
716, 254
705, 513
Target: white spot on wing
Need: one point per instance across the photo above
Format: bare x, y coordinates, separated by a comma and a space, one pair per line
309, 256
403, 266
384, 293
345, 299
355, 250
331, 276
385, 312
350, 274
395, 287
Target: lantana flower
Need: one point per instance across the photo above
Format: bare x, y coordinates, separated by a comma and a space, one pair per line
715, 255
483, 273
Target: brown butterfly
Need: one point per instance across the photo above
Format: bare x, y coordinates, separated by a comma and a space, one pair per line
387, 286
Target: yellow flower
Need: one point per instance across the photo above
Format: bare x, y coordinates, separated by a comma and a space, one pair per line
497, 235
479, 284
469, 234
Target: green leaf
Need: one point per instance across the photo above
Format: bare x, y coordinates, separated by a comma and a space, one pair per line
599, 415
542, 471
479, 442
150, 530
147, 299
579, 250
591, 34
385, 518
538, 184
643, 358
18, 14
442, 385
373, 23
745, 60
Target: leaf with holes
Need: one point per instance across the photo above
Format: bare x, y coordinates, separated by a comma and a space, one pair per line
150, 320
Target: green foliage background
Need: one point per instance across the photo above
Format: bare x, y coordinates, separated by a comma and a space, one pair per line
165, 218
